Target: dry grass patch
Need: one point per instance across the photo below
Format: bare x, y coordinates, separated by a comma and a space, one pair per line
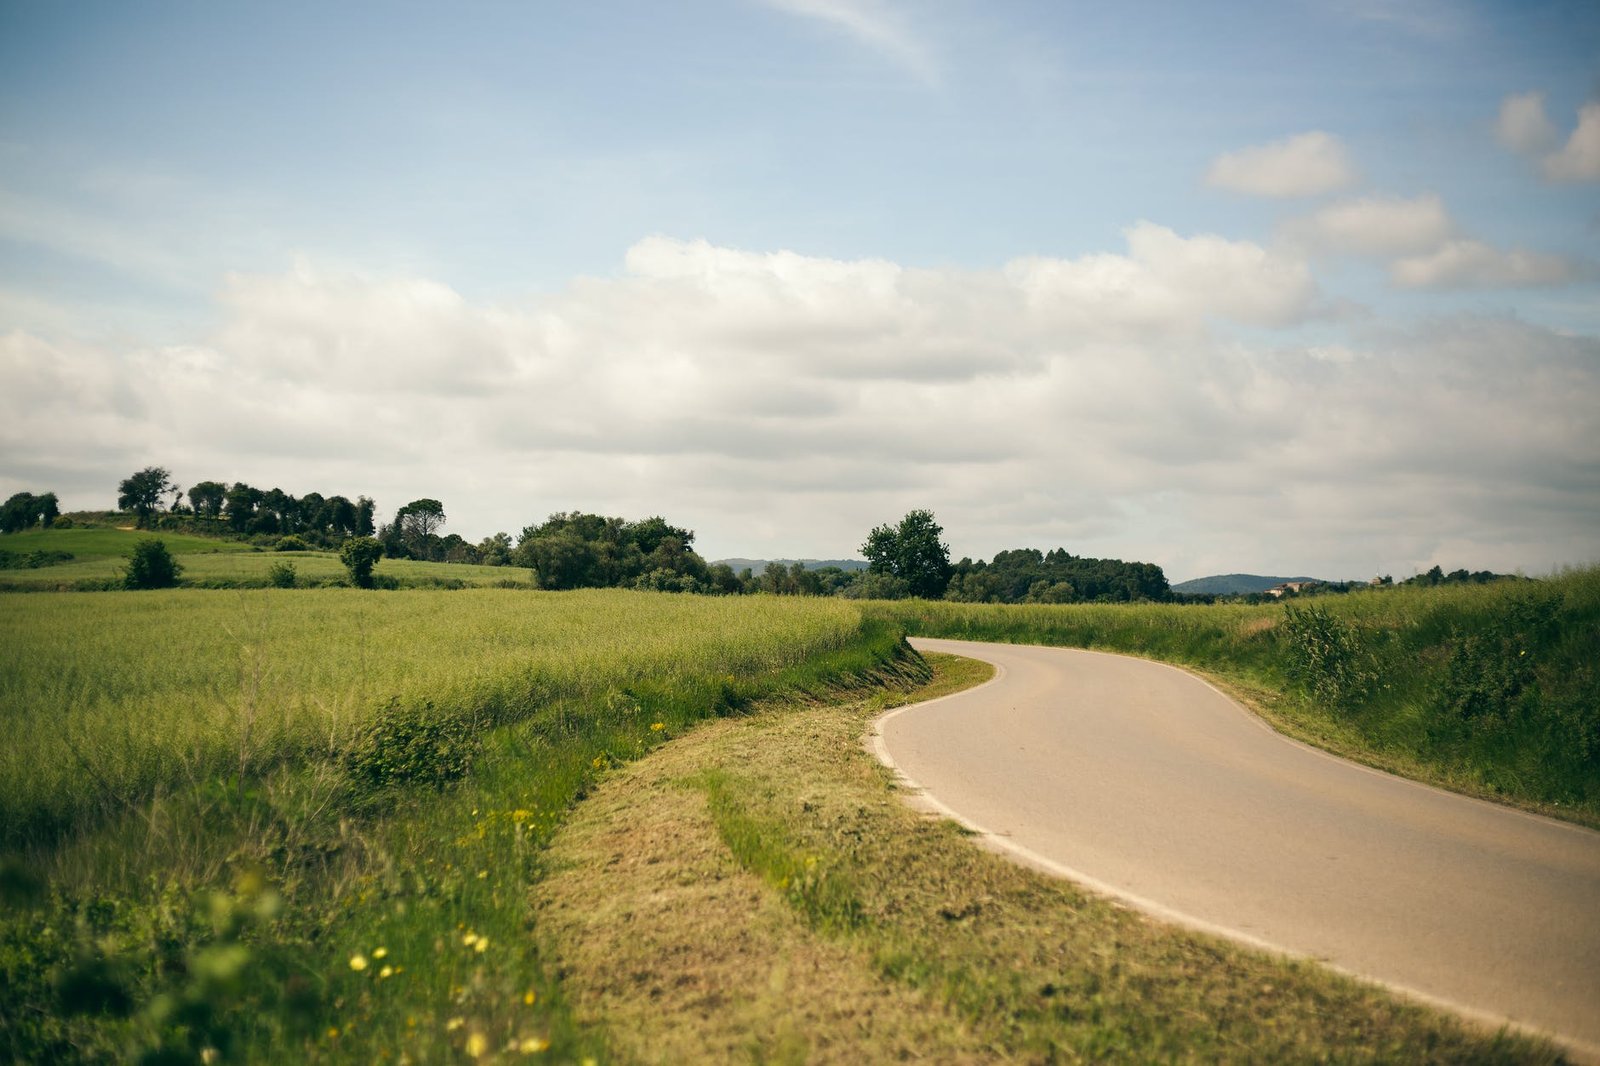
756, 891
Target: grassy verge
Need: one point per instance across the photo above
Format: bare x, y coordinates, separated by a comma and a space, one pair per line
1492, 690
756, 890
363, 899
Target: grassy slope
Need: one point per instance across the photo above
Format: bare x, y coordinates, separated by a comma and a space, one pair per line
100, 555
301, 910
755, 891
1492, 690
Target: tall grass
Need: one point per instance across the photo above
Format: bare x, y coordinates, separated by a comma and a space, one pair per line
107, 697
1490, 688
276, 825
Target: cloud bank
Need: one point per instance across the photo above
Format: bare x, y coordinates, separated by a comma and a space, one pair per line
783, 404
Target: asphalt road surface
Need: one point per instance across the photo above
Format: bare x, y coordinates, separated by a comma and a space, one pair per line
1142, 781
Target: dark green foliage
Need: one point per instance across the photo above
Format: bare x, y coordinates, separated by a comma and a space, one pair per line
25, 511
33, 560
360, 555
412, 746
207, 498
872, 586
912, 552
151, 566
155, 981
1026, 575
1326, 656
142, 492
291, 543
282, 575
577, 550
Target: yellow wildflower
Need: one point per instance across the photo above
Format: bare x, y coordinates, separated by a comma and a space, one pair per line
482, 945
387, 971
379, 953
533, 1045
528, 997
656, 727
477, 1044
453, 1024
358, 963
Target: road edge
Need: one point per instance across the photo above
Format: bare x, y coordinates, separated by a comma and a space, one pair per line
919, 798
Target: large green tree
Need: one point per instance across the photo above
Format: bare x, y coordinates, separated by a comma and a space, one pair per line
207, 498
141, 493
912, 552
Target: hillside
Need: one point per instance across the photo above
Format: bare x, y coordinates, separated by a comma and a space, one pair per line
1233, 584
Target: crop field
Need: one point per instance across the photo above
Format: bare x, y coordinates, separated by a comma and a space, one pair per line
1491, 689
295, 756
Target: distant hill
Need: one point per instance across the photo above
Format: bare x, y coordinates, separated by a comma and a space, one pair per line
757, 565
1233, 584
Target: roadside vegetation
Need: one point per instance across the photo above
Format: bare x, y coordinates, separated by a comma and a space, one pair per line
1491, 689
757, 892
269, 825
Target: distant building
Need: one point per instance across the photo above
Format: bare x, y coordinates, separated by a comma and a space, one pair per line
1296, 587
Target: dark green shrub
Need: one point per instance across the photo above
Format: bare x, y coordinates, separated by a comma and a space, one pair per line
151, 566
282, 575
1327, 657
411, 745
360, 555
291, 543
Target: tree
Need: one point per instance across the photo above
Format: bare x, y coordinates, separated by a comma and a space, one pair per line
365, 512
241, 502
18, 513
360, 555
911, 552
48, 508
151, 566
416, 523
207, 498
142, 492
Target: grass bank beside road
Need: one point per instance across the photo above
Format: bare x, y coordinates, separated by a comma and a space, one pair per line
756, 891
1490, 689
300, 825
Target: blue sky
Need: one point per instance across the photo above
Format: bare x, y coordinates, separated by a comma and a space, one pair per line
1303, 287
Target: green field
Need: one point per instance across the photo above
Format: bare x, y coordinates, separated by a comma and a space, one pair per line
232, 795
275, 824
100, 555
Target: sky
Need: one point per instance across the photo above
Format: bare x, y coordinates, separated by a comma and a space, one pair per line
1292, 287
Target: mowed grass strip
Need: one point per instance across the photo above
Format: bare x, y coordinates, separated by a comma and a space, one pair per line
677, 892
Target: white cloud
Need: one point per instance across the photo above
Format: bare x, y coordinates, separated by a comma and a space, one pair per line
1376, 225
1523, 125
782, 404
1579, 158
1308, 164
873, 24
1470, 264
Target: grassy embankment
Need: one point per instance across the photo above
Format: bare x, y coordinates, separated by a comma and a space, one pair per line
1492, 690
756, 892
99, 557
290, 825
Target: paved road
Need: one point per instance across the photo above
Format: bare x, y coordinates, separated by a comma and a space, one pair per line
1143, 781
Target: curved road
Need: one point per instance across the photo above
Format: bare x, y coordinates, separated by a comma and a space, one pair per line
1142, 781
